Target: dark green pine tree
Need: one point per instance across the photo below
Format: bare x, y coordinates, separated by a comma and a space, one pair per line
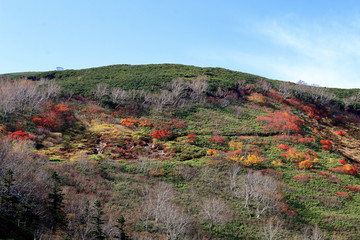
56, 200
98, 222
8, 201
121, 225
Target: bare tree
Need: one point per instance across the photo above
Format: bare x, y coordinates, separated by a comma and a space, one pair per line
215, 210
198, 87
262, 85
119, 95
285, 89
79, 215
157, 197
176, 221
177, 87
314, 233
164, 97
233, 176
272, 229
261, 190
100, 91
159, 204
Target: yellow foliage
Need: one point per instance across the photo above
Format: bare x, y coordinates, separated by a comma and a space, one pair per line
237, 158
159, 172
347, 167
235, 145
257, 97
277, 163
307, 164
253, 159
212, 152
294, 155
250, 160
332, 160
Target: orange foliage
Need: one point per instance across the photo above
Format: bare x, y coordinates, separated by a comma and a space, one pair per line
342, 194
60, 108
45, 122
327, 145
340, 133
20, 135
145, 123
257, 97
129, 122
307, 139
283, 147
282, 121
161, 134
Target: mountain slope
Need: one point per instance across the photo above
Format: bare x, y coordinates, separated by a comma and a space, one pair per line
217, 155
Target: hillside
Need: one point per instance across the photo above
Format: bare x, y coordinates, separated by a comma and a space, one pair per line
177, 152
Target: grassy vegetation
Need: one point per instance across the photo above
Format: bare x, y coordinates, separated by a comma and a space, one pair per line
110, 153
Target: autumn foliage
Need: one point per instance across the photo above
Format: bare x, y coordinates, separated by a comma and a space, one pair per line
282, 121
353, 189
217, 140
342, 161
129, 122
327, 145
20, 135
161, 134
340, 133
283, 147
342, 194
54, 117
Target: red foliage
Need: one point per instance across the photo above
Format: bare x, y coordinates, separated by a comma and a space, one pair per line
272, 173
327, 145
56, 116
60, 108
169, 124
161, 134
303, 177
347, 169
351, 170
353, 189
282, 121
286, 209
329, 177
45, 122
217, 140
340, 133
20, 135
129, 122
283, 147
192, 136
307, 139
342, 194
342, 161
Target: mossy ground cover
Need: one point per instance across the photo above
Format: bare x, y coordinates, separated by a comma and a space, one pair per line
100, 155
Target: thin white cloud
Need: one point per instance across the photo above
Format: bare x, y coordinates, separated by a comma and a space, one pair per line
326, 55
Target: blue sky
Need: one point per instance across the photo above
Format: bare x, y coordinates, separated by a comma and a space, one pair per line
315, 41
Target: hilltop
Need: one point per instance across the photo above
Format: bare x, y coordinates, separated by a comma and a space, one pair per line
180, 152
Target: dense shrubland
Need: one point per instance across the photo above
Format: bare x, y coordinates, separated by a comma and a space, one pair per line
185, 153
